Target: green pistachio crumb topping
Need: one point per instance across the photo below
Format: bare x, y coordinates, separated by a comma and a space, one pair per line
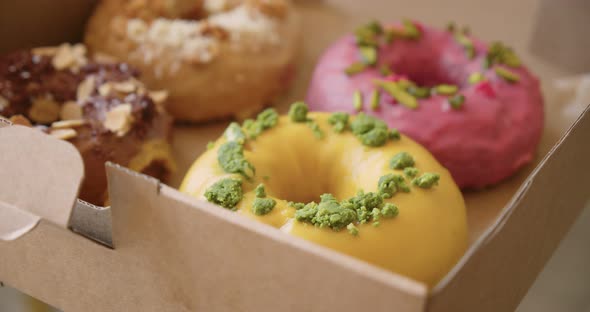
370, 130
387, 186
367, 35
511, 60
259, 191
401, 160
210, 145
384, 70
226, 193
389, 210
315, 128
411, 31
248, 124
234, 133
352, 229
426, 180
394, 135
405, 83
363, 215
375, 27
419, 92
355, 68
408, 31
507, 75
466, 43
328, 213
262, 206
307, 212
389, 35
411, 172
268, 118
375, 98
376, 224
475, 77
295, 205
332, 214
376, 214
446, 89
368, 55
298, 112
365, 38
357, 100
398, 93
390, 184
451, 26
364, 203
362, 208
265, 120
498, 53
339, 120
456, 101
230, 157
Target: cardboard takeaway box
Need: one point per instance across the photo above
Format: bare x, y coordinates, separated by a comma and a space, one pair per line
156, 249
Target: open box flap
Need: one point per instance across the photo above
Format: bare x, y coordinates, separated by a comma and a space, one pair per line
526, 229
39, 179
21, 222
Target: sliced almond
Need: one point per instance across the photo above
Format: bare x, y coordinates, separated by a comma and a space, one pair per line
85, 89
73, 123
79, 50
63, 57
63, 134
70, 111
105, 89
48, 51
159, 96
20, 120
119, 119
69, 57
44, 110
4, 103
126, 86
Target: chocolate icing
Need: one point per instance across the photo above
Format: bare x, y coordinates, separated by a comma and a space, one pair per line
25, 76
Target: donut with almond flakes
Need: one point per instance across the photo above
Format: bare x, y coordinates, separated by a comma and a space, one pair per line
100, 107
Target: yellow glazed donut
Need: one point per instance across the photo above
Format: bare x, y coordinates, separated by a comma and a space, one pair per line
217, 58
379, 196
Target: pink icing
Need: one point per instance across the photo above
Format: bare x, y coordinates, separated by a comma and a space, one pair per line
495, 132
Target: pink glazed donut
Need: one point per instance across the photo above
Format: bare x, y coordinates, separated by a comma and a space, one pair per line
473, 105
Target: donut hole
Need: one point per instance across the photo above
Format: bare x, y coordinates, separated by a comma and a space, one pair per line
302, 172
425, 72
300, 181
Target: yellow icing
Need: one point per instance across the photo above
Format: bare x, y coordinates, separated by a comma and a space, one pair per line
423, 242
150, 152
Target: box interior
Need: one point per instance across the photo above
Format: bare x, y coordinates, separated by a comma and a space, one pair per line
496, 215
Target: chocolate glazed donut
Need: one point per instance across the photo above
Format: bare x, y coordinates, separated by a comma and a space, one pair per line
96, 104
